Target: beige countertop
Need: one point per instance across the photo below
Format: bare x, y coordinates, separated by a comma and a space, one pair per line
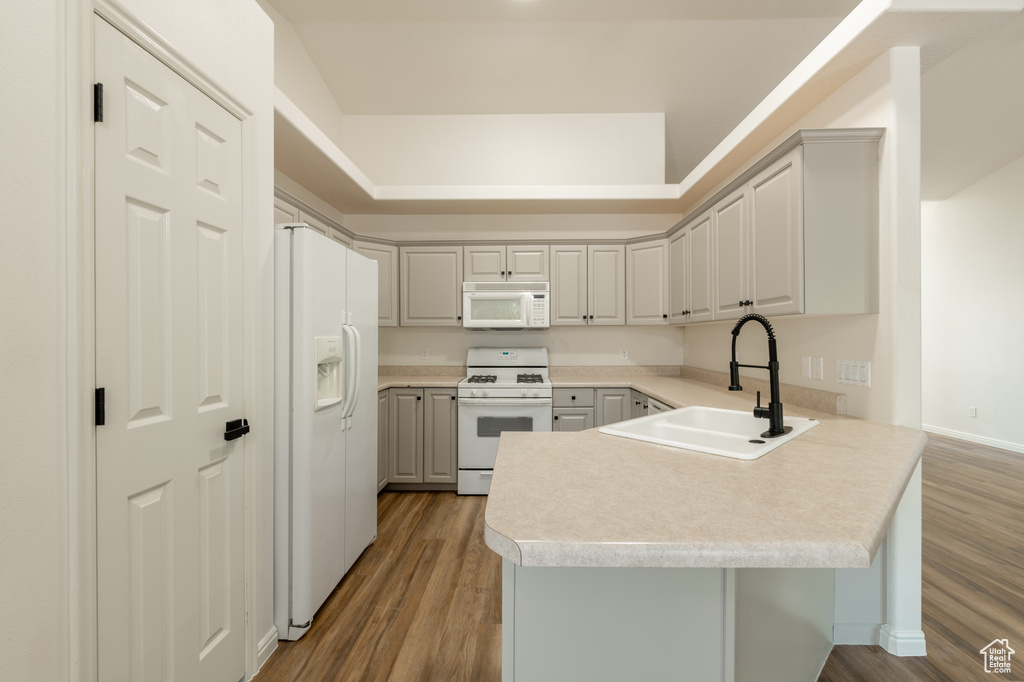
417, 381
823, 500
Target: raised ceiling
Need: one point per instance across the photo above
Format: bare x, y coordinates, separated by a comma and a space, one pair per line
705, 64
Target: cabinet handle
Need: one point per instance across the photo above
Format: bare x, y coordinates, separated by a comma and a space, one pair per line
419, 397
664, 316
459, 317
502, 273
584, 317
591, 317
453, 397
574, 397
555, 417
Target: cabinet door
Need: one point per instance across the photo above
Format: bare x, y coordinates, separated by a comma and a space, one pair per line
700, 284
606, 284
777, 237
572, 418
483, 263
637, 400
528, 264
568, 285
387, 279
647, 283
405, 435
284, 212
613, 405
431, 286
440, 436
382, 439
678, 276
730, 231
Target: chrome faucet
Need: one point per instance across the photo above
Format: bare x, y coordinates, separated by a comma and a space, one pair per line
773, 413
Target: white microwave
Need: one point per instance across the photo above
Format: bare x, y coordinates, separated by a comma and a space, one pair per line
505, 305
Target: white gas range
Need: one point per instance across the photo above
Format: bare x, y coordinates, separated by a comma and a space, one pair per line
506, 389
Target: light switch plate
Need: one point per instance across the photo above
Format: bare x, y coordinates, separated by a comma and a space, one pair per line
853, 372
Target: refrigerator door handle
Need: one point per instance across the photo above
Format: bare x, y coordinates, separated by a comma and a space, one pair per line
349, 353
357, 362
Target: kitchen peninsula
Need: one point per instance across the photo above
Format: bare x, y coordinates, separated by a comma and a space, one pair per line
628, 560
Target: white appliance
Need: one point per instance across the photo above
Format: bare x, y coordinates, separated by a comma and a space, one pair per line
505, 305
506, 389
325, 419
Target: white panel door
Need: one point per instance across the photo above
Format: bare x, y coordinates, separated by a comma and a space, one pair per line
732, 266
527, 264
386, 256
647, 283
777, 237
700, 285
168, 352
678, 275
484, 263
568, 285
606, 272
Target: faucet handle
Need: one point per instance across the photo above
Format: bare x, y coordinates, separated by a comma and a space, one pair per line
761, 412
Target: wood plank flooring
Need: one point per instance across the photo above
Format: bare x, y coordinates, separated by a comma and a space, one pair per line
424, 601
972, 572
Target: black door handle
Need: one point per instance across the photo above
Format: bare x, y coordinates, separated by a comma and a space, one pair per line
236, 429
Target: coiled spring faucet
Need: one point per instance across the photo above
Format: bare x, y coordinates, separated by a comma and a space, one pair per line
773, 413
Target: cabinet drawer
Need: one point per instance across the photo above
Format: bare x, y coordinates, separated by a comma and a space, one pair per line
572, 397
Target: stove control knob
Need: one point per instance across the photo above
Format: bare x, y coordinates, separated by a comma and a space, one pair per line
485, 391
536, 392
524, 391
472, 392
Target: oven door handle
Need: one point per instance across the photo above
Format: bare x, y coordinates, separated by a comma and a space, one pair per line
521, 402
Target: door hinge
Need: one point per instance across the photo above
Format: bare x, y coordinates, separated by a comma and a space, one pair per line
101, 407
97, 103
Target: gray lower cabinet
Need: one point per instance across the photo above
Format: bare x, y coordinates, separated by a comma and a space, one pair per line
638, 408
405, 435
422, 436
382, 439
613, 405
440, 436
572, 418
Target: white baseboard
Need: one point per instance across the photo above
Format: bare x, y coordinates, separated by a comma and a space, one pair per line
266, 647
971, 438
855, 633
902, 642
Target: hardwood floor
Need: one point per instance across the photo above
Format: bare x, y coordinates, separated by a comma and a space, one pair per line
424, 601
972, 572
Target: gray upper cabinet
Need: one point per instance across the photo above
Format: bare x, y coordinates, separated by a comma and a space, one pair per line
606, 284
588, 285
431, 286
505, 263
678, 276
776, 196
284, 212
386, 256
647, 283
568, 285
690, 268
730, 230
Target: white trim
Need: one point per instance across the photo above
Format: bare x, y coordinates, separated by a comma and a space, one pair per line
267, 646
973, 438
902, 642
855, 633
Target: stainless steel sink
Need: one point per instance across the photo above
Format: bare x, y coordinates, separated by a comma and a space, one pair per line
729, 433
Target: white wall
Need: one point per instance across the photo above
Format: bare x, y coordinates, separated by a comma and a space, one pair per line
867, 100
231, 42
972, 279
509, 149
33, 482
574, 346
297, 77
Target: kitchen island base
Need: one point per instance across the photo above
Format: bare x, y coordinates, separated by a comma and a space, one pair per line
699, 624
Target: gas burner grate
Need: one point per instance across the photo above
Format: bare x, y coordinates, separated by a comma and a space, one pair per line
482, 379
529, 379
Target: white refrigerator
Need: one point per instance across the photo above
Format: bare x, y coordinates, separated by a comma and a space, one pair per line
325, 419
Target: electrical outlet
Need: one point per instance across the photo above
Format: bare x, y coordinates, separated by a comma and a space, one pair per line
805, 365
625, 354
854, 372
818, 368
974, 411
423, 354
